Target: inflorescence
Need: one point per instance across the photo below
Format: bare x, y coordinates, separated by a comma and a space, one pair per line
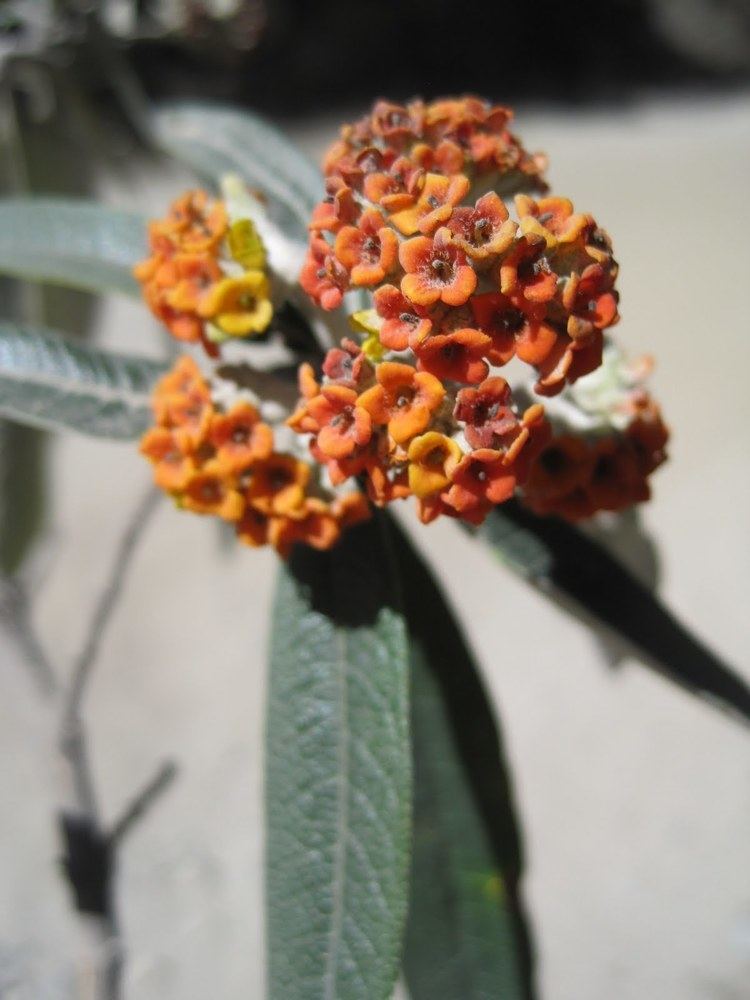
413, 402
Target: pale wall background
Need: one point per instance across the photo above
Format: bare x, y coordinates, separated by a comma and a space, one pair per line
635, 797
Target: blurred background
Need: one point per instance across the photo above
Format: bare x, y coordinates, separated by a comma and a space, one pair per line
634, 797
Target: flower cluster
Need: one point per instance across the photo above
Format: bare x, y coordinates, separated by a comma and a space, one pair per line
458, 448
575, 476
220, 459
205, 278
473, 272
411, 214
608, 438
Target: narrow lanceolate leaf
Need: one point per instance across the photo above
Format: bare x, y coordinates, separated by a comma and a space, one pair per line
68, 242
49, 381
580, 573
216, 140
338, 774
466, 937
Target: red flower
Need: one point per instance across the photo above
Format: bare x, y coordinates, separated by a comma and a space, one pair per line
458, 356
369, 250
322, 276
406, 324
590, 302
567, 361
486, 411
347, 364
337, 209
515, 326
342, 425
551, 218
480, 479
485, 230
403, 399
525, 273
436, 270
435, 204
397, 187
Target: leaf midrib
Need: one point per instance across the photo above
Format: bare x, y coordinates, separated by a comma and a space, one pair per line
342, 824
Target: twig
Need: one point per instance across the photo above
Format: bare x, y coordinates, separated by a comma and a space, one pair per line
106, 605
15, 619
143, 801
90, 859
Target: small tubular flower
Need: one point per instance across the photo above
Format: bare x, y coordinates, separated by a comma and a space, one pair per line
480, 479
432, 459
342, 425
434, 207
324, 278
455, 357
484, 231
436, 270
239, 306
205, 279
208, 492
240, 437
368, 250
403, 399
405, 324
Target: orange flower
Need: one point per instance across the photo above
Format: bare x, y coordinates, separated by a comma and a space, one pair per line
553, 219
568, 361
395, 188
480, 479
308, 384
186, 279
323, 278
208, 491
253, 527
435, 204
313, 524
486, 411
240, 438
386, 483
336, 210
457, 357
436, 270
347, 364
369, 250
525, 272
196, 223
403, 399
485, 230
277, 485
406, 324
590, 302
563, 468
184, 378
172, 466
432, 459
350, 509
342, 425
514, 328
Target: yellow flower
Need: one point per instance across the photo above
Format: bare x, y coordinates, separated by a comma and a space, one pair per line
432, 459
245, 245
239, 306
367, 321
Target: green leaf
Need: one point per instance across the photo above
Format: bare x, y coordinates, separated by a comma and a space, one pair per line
466, 935
580, 574
47, 380
75, 243
22, 451
338, 775
216, 140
